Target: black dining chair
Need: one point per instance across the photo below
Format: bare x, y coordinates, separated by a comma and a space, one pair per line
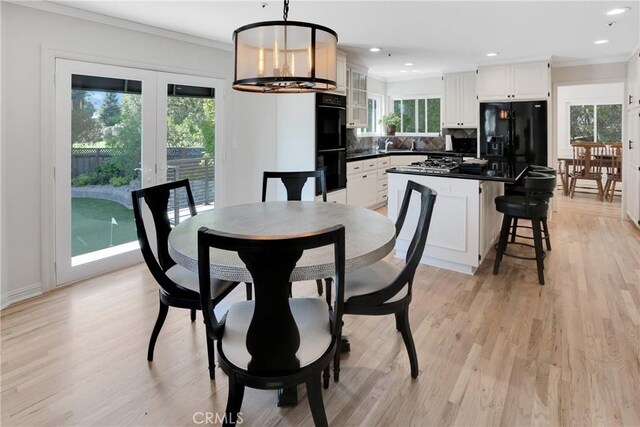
383, 288
294, 182
179, 287
274, 341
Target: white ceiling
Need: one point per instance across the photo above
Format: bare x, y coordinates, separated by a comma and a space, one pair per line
438, 36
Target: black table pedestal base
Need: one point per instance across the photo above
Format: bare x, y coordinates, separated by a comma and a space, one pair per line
287, 396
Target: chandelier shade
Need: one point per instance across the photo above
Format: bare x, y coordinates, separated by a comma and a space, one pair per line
284, 57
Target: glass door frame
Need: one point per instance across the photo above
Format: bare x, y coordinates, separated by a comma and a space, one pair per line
64, 272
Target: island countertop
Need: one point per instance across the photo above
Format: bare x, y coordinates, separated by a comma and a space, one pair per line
502, 174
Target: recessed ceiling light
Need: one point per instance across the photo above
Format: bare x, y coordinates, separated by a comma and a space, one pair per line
492, 54
375, 49
601, 41
618, 10
409, 64
403, 71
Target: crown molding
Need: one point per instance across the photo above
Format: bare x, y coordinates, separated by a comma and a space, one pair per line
121, 23
595, 61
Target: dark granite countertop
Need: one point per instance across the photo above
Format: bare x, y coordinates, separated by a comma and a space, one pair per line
506, 175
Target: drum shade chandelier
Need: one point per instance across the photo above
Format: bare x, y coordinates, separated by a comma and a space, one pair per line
284, 57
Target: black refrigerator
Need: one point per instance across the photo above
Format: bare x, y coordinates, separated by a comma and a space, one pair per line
513, 134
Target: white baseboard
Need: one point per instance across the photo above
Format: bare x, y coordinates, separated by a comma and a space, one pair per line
20, 294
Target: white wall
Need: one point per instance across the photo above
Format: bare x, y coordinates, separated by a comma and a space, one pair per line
376, 86
247, 147
3, 279
606, 93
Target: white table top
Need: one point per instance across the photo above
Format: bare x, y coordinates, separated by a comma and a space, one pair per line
369, 236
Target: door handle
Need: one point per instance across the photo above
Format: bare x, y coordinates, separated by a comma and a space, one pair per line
630, 144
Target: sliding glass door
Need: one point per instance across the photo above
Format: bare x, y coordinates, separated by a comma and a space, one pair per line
119, 129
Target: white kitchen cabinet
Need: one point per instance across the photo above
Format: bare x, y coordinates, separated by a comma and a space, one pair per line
514, 82
356, 97
631, 169
341, 77
338, 196
383, 165
463, 224
460, 103
362, 189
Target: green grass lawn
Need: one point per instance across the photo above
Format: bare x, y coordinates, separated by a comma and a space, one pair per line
91, 225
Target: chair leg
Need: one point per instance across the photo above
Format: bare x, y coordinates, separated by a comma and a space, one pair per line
606, 188
572, 187
234, 401
319, 286
249, 291
403, 319
336, 357
211, 357
326, 376
547, 238
314, 394
502, 243
613, 191
514, 229
600, 189
193, 314
537, 239
162, 315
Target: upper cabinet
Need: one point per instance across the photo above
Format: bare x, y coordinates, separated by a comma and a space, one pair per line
519, 82
341, 77
460, 103
356, 97
633, 81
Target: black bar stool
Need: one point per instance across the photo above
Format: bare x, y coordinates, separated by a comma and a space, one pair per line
534, 206
518, 190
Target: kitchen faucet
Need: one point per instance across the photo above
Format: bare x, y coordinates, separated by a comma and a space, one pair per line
387, 143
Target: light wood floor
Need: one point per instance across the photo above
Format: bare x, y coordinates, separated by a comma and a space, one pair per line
493, 350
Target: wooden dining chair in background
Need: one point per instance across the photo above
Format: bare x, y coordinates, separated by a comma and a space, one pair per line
294, 181
274, 341
586, 165
613, 163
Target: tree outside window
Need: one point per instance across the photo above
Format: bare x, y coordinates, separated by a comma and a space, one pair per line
419, 115
599, 123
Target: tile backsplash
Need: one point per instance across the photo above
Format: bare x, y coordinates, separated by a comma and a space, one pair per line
365, 144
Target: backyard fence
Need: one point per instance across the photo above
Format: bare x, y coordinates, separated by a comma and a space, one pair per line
182, 163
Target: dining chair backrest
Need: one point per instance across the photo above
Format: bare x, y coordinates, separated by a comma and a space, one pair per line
294, 182
613, 159
157, 199
587, 158
273, 336
427, 198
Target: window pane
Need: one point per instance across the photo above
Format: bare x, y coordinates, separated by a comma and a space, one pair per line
609, 123
397, 107
106, 119
409, 115
433, 115
421, 115
372, 113
581, 122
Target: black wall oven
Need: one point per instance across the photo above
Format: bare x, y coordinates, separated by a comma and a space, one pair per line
331, 139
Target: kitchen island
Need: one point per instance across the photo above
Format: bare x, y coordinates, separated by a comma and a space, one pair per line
465, 223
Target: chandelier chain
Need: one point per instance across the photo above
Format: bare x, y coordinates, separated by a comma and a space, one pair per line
285, 12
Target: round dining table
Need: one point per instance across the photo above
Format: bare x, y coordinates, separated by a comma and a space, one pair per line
369, 236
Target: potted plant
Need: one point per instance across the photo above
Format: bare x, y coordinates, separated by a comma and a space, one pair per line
391, 121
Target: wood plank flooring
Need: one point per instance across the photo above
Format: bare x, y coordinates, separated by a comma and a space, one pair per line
493, 350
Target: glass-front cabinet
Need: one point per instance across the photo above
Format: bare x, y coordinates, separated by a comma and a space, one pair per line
356, 97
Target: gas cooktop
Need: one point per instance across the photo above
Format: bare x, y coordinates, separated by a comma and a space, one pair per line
443, 165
